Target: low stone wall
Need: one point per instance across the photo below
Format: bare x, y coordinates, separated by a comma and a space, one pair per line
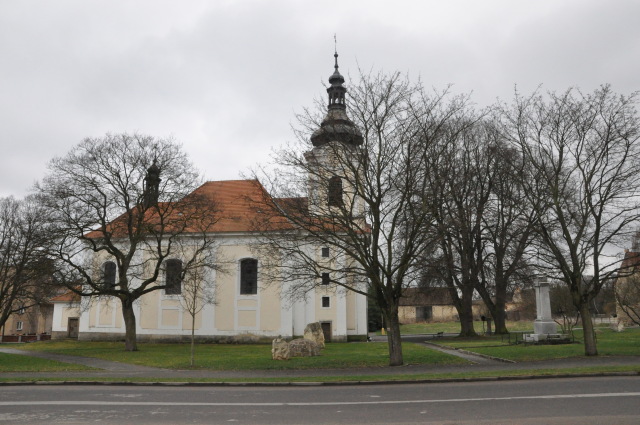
59, 335
219, 339
25, 338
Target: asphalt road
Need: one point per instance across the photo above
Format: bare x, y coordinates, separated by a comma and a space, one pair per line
602, 401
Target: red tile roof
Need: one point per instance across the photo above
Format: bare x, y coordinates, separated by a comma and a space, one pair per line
237, 204
235, 207
66, 298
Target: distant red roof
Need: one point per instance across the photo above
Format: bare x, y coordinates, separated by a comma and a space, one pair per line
425, 296
631, 259
67, 297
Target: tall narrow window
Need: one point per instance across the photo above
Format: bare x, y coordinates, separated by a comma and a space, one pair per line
326, 302
173, 277
109, 274
248, 276
19, 326
335, 192
325, 252
325, 278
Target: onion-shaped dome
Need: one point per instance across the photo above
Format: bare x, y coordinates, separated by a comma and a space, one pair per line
336, 125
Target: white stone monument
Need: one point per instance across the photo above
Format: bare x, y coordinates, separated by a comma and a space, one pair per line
544, 325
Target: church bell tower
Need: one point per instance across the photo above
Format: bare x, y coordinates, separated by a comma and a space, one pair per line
337, 147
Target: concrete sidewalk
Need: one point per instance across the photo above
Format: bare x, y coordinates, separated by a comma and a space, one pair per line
116, 370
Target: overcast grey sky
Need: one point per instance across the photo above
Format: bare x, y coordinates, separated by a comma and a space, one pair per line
225, 78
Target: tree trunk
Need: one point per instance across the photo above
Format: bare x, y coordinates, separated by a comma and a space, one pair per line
193, 340
499, 317
466, 324
394, 339
130, 341
499, 320
496, 310
590, 348
465, 312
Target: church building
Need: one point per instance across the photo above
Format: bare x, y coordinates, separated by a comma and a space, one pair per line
248, 307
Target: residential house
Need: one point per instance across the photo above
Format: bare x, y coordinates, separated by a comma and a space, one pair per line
29, 323
627, 286
426, 304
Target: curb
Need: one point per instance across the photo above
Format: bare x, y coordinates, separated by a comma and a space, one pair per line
314, 384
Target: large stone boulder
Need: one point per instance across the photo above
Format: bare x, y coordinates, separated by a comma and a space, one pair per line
617, 326
280, 349
313, 332
303, 348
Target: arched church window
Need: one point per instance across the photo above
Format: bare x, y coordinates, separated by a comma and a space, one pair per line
335, 192
173, 277
109, 274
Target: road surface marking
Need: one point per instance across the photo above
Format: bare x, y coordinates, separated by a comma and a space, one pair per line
328, 403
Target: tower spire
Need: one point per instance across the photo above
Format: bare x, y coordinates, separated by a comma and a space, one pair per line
336, 125
152, 185
335, 51
336, 90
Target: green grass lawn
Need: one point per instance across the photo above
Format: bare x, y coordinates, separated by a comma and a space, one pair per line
18, 363
245, 357
336, 355
610, 343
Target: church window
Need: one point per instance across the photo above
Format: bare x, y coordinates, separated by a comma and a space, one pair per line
248, 276
325, 252
173, 277
326, 278
326, 302
109, 274
335, 192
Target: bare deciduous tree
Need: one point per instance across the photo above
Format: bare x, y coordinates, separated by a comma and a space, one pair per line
460, 191
198, 290
24, 269
483, 222
121, 207
507, 228
584, 181
360, 192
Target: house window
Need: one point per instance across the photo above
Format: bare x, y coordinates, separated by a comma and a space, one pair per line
248, 276
335, 192
109, 274
21, 310
424, 313
326, 278
173, 277
325, 252
326, 302
19, 326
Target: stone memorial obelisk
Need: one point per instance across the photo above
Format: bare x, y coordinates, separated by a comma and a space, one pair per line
544, 324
